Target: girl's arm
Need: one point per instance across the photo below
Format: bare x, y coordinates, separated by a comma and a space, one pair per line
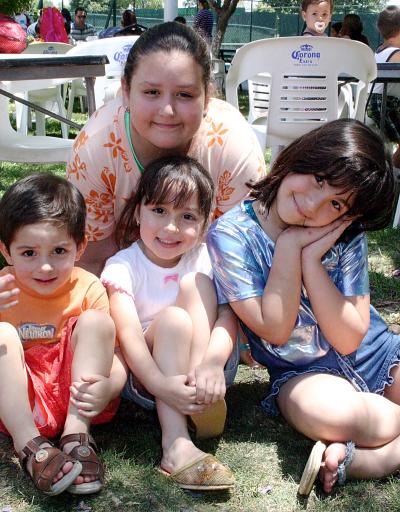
273, 315
171, 390
208, 377
344, 321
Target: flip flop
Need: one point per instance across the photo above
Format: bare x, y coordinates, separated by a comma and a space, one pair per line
206, 473
312, 468
47, 462
211, 422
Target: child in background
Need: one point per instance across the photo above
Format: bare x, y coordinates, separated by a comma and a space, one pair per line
317, 16
174, 337
352, 28
389, 51
335, 29
293, 264
55, 332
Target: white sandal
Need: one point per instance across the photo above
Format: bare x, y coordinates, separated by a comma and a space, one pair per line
313, 466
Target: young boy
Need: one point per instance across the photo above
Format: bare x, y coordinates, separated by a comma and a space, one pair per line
317, 16
56, 337
389, 51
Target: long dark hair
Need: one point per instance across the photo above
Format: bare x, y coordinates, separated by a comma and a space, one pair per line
171, 180
349, 156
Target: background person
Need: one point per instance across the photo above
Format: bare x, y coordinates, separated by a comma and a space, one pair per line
336, 28
203, 21
316, 15
80, 30
352, 28
389, 51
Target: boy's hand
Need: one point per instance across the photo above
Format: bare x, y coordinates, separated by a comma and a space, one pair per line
210, 383
91, 396
8, 292
178, 394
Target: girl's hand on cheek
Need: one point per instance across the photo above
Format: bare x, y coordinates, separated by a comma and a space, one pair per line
302, 236
315, 250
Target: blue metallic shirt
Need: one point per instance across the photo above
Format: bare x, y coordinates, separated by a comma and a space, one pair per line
241, 254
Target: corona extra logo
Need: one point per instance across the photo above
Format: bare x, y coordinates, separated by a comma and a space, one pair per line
121, 55
306, 55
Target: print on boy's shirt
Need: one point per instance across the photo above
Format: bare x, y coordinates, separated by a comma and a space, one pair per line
32, 331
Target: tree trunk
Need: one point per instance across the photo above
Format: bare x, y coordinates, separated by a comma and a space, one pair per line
223, 15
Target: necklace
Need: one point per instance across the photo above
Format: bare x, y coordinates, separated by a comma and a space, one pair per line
127, 121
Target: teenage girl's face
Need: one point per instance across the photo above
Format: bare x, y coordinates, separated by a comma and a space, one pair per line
43, 256
317, 17
167, 100
167, 233
308, 200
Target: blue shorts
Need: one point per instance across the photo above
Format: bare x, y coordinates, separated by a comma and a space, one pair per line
367, 369
135, 392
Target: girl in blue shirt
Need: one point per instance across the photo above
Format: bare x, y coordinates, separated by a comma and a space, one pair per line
292, 263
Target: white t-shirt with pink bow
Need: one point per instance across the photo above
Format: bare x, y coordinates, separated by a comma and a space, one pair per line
152, 288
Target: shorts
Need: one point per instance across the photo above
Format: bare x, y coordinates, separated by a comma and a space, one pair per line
135, 392
392, 116
48, 369
367, 369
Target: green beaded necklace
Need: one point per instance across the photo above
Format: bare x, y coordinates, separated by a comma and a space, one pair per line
127, 120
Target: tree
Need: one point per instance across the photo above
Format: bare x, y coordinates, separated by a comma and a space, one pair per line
223, 12
14, 6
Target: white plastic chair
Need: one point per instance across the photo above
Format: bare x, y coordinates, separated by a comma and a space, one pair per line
116, 49
17, 147
304, 81
218, 73
42, 97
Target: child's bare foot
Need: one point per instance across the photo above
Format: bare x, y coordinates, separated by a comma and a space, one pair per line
247, 359
334, 455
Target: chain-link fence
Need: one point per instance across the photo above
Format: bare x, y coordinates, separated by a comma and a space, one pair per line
248, 25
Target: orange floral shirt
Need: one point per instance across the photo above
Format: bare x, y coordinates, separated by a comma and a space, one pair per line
103, 168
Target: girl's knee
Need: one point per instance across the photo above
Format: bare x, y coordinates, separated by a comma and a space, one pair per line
176, 320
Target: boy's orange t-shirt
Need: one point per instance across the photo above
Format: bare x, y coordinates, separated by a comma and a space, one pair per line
41, 319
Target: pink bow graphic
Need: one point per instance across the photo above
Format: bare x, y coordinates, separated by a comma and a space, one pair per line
172, 277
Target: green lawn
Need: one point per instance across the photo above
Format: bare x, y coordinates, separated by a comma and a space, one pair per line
266, 455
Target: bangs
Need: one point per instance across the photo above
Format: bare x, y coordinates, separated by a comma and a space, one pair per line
175, 190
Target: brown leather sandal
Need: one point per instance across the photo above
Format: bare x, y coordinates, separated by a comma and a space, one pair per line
47, 462
91, 465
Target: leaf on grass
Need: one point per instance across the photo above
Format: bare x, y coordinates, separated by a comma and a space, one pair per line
82, 507
6, 508
266, 489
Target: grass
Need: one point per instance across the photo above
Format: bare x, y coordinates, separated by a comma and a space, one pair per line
266, 455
